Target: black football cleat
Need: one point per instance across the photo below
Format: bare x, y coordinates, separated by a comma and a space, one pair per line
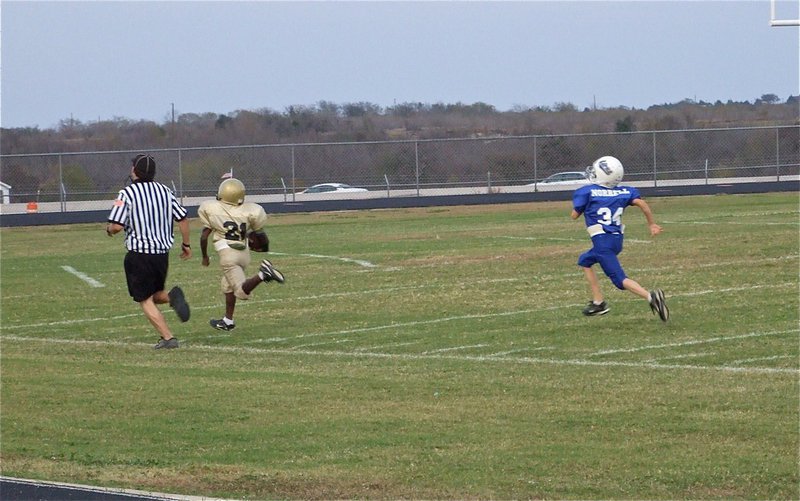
658, 304
593, 310
270, 273
221, 325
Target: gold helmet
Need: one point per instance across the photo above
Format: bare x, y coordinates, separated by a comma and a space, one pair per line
231, 191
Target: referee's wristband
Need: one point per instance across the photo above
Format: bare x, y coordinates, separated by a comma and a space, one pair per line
186, 246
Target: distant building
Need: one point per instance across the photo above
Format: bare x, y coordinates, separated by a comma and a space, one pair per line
5, 191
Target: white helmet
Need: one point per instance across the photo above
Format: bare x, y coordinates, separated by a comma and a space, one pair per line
231, 191
605, 171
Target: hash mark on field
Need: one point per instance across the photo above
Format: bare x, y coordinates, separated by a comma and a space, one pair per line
83, 276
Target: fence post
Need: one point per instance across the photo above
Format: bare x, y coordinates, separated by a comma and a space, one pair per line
180, 174
777, 154
655, 163
535, 165
388, 193
294, 186
416, 164
706, 171
489, 182
60, 184
284, 190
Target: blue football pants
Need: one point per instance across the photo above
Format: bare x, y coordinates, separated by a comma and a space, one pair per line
605, 248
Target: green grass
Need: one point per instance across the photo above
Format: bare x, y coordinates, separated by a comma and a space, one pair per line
457, 366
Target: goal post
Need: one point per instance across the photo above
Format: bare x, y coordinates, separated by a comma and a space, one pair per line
775, 21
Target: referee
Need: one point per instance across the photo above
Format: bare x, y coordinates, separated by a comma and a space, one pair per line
146, 211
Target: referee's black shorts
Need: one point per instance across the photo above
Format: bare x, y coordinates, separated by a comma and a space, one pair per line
146, 274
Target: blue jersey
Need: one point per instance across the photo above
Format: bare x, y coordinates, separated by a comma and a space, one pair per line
603, 206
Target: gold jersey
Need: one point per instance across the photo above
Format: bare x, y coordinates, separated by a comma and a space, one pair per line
231, 222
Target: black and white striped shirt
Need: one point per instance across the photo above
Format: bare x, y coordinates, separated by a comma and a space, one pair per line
147, 210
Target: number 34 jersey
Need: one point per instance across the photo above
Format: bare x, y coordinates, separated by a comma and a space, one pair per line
231, 222
604, 206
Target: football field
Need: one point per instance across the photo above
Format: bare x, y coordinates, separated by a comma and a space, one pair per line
432, 353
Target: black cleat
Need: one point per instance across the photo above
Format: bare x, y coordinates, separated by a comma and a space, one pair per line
595, 309
221, 325
270, 273
166, 343
658, 304
178, 303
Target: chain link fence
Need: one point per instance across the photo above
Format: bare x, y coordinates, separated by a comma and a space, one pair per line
64, 182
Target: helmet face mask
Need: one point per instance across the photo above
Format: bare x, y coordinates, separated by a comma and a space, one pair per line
605, 171
231, 191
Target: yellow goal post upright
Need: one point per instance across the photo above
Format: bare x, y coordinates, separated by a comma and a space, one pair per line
774, 20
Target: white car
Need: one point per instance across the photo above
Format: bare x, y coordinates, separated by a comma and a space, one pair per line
333, 188
564, 179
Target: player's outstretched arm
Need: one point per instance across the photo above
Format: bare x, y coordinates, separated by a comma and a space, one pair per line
648, 215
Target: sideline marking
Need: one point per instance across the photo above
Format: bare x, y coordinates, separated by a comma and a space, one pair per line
418, 357
360, 262
83, 276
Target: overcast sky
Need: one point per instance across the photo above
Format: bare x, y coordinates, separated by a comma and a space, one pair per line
95, 61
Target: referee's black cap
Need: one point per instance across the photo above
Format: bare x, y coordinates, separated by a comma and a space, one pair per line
144, 166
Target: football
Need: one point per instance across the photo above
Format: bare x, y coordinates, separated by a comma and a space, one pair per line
258, 241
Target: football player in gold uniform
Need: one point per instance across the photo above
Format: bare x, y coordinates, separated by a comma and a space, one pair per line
228, 220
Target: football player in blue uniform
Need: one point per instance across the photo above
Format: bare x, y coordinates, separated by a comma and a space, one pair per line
602, 204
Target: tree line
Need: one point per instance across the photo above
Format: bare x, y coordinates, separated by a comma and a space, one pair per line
325, 122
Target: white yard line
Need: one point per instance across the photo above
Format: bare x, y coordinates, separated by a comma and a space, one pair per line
418, 357
759, 359
454, 348
360, 262
678, 357
690, 342
383, 291
387, 345
334, 341
715, 223
83, 276
583, 240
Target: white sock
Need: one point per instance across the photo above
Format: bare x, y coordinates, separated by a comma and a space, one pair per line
227, 321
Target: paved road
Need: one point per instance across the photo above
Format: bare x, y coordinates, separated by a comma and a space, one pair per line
16, 489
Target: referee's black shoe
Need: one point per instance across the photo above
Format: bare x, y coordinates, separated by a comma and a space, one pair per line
595, 309
178, 303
